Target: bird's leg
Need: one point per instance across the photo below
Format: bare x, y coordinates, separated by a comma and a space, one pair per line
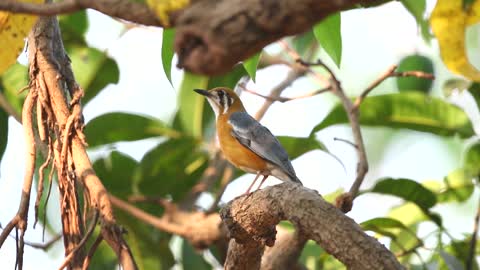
263, 180
250, 187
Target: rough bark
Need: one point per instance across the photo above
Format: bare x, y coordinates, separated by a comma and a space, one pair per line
52, 78
251, 221
213, 35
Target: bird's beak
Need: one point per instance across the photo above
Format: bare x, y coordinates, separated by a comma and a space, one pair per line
203, 92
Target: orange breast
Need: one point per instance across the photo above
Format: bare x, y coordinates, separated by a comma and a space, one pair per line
235, 152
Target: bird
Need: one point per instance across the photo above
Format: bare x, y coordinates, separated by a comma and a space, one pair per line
246, 143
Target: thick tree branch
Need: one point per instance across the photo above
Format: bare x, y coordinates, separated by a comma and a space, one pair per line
251, 221
212, 35
122, 9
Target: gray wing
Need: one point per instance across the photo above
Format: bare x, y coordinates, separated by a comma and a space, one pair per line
251, 134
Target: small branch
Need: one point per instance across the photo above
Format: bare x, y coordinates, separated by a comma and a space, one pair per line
292, 76
286, 99
200, 229
473, 241
345, 201
390, 72
8, 108
47, 245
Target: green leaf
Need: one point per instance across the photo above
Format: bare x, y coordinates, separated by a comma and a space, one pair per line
385, 223
417, 9
168, 37
474, 90
309, 256
329, 35
303, 42
115, 127
297, 146
11, 82
251, 65
74, 27
472, 159
193, 259
403, 237
3, 132
93, 70
408, 190
116, 171
456, 186
171, 168
191, 104
410, 110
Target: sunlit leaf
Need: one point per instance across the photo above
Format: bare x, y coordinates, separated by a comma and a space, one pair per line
171, 168
329, 35
410, 110
456, 186
115, 127
191, 104
14, 28
93, 70
472, 159
385, 223
251, 65
408, 190
116, 171
12, 81
449, 20
168, 36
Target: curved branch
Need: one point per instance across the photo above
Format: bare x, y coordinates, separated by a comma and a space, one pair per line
251, 221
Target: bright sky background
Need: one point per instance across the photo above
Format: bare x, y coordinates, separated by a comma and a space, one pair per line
373, 39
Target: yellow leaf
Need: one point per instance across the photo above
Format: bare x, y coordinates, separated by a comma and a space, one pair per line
14, 29
449, 21
163, 7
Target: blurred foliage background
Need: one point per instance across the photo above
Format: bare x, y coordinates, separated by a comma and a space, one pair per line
159, 149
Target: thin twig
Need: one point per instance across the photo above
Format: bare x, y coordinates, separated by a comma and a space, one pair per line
285, 99
345, 201
90, 230
159, 223
390, 72
47, 245
473, 241
346, 141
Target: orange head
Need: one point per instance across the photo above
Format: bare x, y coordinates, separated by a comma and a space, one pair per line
222, 100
